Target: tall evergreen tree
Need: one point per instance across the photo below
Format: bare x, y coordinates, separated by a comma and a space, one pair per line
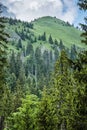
50, 39
83, 6
43, 37
29, 49
61, 46
19, 44
46, 116
63, 91
3, 63
12, 63
73, 53
18, 63
81, 76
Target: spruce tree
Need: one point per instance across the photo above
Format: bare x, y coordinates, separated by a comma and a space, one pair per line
19, 44
3, 64
46, 116
83, 6
63, 94
29, 49
43, 37
80, 74
50, 39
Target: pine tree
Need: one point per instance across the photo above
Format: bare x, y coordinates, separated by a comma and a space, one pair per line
56, 42
22, 78
12, 63
81, 105
43, 37
46, 116
73, 53
3, 64
19, 44
61, 46
50, 39
3, 48
63, 93
29, 49
83, 6
18, 94
18, 64
81, 76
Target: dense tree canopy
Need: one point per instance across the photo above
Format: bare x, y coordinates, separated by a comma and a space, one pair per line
47, 87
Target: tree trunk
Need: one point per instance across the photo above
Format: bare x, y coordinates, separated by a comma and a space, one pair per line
36, 75
1, 122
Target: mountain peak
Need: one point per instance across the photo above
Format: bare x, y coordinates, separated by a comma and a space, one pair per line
52, 20
59, 29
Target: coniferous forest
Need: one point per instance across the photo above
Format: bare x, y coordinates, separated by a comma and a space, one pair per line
43, 79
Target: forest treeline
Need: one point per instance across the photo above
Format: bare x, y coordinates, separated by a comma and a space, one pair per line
41, 89
61, 104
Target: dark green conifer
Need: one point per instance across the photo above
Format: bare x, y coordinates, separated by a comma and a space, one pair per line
83, 6
3, 64
50, 39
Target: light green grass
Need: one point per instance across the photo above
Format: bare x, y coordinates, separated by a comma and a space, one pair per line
59, 30
51, 25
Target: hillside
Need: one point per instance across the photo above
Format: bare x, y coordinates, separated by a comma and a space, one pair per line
59, 30
43, 72
35, 47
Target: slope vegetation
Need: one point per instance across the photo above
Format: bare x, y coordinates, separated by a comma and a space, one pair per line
59, 30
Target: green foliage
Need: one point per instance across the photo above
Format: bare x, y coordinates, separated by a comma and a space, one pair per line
24, 118
3, 65
56, 42
83, 6
57, 108
62, 104
29, 49
12, 63
3, 48
81, 76
64, 93
50, 39
46, 116
58, 30
19, 44
61, 46
81, 106
42, 37
73, 51
18, 63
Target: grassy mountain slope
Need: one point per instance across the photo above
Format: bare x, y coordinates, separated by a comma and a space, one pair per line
32, 56
59, 30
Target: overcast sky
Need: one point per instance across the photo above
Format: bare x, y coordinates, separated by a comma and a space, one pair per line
28, 10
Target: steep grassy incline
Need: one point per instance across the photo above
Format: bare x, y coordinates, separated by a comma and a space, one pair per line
59, 30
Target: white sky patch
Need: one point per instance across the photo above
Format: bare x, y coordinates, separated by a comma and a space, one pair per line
28, 10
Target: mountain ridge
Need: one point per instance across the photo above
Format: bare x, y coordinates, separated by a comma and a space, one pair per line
56, 27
